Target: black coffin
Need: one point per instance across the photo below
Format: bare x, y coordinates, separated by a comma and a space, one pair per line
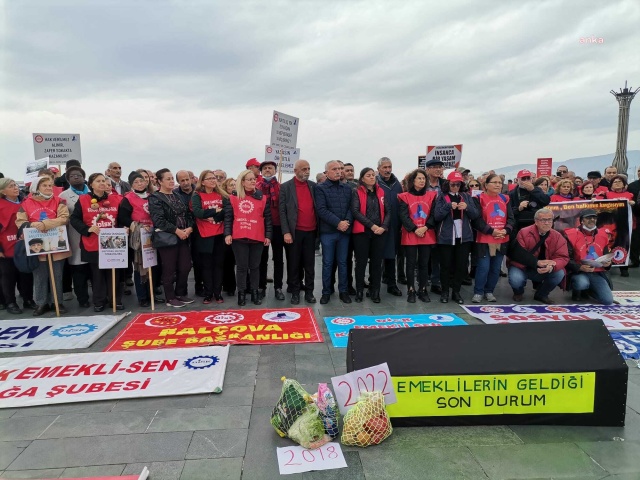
553, 373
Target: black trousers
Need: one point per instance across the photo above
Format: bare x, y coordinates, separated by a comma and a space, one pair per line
12, 277
368, 247
80, 275
229, 270
67, 277
101, 284
277, 247
176, 261
198, 270
419, 254
634, 254
301, 257
247, 260
456, 257
212, 267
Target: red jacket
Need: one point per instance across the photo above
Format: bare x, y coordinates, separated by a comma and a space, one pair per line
555, 245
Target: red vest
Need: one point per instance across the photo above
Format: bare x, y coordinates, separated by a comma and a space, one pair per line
108, 215
362, 195
40, 210
610, 195
248, 217
494, 213
601, 191
582, 244
209, 201
140, 208
419, 211
9, 235
557, 198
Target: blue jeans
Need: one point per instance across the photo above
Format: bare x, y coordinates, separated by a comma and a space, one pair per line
334, 246
487, 273
595, 282
548, 281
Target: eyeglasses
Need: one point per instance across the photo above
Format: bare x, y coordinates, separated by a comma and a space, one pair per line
562, 171
455, 184
74, 175
249, 179
495, 183
544, 220
525, 178
208, 178
472, 185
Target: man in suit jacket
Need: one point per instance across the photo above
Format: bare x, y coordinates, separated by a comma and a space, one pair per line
299, 224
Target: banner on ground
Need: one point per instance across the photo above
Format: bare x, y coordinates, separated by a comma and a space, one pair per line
84, 377
112, 248
150, 331
54, 333
339, 326
615, 317
59, 147
614, 217
32, 168
449, 155
149, 254
544, 167
54, 240
284, 157
628, 343
628, 297
284, 130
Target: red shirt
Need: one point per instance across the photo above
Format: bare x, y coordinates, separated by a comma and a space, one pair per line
306, 210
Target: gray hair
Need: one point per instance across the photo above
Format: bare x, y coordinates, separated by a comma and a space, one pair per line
542, 211
383, 160
326, 165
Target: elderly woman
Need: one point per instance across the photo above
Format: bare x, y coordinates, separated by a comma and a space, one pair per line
9, 205
564, 191
43, 211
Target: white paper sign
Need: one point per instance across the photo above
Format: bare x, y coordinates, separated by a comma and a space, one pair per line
112, 249
284, 157
149, 254
449, 155
54, 333
59, 147
629, 297
299, 459
54, 240
32, 169
349, 386
284, 130
83, 377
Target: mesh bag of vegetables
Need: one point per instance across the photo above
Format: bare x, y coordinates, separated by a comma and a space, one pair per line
293, 401
308, 429
367, 423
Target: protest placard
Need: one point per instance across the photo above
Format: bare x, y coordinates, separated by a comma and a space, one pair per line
112, 248
298, 459
149, 254
449, 155
32, 168
544, 167
54, 240
59, 147
284, 130
83, 377
349, 386
284, 157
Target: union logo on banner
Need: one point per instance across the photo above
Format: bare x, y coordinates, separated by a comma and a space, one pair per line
163, 321
224, 318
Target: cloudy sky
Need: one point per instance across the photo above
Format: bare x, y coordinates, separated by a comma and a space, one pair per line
193, 84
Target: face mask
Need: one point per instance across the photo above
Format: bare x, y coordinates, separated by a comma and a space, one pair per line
588, 229
267, 179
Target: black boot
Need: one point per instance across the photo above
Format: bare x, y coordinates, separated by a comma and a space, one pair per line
375, 296
256, 298
242, 298
359, 295
457, 298
411, 296
423, 295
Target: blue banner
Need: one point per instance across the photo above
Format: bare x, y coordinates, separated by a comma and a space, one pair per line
339, 326
628, 342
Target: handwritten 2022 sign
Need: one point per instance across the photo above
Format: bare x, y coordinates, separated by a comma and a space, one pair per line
300, 459
348, 387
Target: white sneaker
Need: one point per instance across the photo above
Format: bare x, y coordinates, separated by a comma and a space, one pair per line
67, 296
490, 297
477, 298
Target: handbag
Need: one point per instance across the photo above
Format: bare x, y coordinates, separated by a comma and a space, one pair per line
162, 239
23, 262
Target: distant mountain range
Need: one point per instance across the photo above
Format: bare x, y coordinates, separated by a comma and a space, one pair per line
579, 165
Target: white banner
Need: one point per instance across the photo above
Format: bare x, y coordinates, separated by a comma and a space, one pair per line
54, 333
284, 130
615, 317
54, 240
32, 168
284, 157
449, 155
149, 254
59, 147
84, 377
112, 250
629, 297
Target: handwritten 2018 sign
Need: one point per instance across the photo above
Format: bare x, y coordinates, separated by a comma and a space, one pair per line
54, 333
83, 377
300, 459
348, 387
339, 326
615, 317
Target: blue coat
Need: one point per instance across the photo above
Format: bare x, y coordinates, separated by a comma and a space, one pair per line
333, 205
443, 217
391, 192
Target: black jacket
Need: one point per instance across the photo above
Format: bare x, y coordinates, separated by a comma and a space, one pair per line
163, 215
537, 200
288, 206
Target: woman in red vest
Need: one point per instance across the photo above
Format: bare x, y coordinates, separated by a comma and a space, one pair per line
415, 207
587, 192
564, 191
370, 225
43, 211
206, 204
247, 228
9, 205
94, 211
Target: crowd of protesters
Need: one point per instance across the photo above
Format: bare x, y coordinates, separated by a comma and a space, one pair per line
426, 229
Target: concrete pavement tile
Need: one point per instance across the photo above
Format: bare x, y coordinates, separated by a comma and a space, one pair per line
241, 372
93, 471
314, 368
9, 451
633, 367
157, 470
89, 425
227, 468
212, 418
353, 471
311, 349
7, 412
35, 474
267, 392
238, 361
277, 351
246, 350
417, 437
530, 461
428, 463
103, 450
277, 370
218, 444
615, 457
78, 407
621, 476
231, 396
162, 403
634, 379
24, 428
633, 396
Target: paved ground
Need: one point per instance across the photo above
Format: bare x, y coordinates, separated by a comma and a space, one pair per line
228, 435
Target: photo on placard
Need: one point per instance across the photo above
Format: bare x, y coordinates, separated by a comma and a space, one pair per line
54, 240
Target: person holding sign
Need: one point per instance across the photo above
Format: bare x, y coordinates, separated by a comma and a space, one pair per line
92, 212
206, 205
43, 211
247, 228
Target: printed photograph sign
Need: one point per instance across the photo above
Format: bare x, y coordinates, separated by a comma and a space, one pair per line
54, 240
112, 249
